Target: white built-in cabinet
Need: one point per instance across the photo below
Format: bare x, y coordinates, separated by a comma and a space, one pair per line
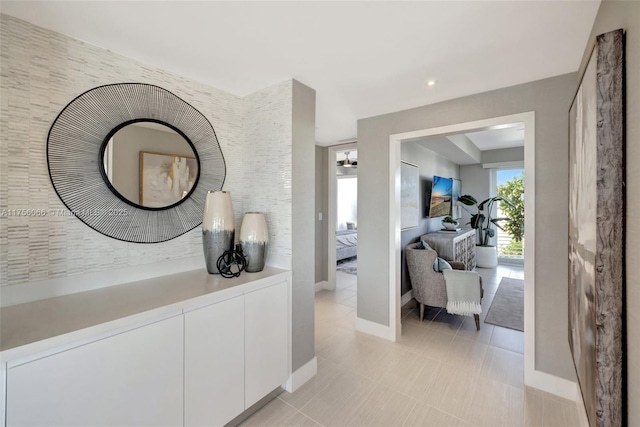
204, 366
236, 352
133, 378
266, 342
214, 363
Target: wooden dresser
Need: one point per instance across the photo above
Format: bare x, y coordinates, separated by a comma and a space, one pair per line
460, 246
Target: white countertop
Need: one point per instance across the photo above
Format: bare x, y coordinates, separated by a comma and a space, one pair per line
40, 325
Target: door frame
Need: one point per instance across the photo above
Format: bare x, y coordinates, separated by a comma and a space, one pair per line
531, 376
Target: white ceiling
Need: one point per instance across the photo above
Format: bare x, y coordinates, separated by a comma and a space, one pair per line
507, 137
466, 149
363, 58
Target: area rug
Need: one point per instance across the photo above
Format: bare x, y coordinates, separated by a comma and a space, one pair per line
348, 265
507, 308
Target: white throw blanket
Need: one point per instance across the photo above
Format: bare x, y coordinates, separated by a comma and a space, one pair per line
463, 292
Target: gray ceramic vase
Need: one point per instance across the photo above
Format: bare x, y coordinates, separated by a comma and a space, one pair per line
254, 238
218, 228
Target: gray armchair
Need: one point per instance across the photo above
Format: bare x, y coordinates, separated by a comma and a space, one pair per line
429, 286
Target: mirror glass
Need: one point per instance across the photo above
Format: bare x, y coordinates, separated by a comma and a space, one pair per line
151, 165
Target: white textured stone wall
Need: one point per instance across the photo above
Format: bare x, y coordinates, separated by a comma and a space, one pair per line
267, 125
41, 72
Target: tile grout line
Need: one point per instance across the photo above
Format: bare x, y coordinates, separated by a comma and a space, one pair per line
299, 411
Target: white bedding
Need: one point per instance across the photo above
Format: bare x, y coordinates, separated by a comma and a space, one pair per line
346, 238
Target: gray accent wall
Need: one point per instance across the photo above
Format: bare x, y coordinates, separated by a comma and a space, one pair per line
613, 15
513, 154
476, 181
550, 99
303, 212
322, 200
429, 164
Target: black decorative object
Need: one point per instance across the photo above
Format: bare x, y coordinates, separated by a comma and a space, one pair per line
232, 263
76, 143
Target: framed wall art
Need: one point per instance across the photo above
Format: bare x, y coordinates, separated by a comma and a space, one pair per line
409, 196
165, 178
596, 231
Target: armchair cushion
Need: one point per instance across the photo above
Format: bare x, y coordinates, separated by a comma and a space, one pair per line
425, 245
441, 265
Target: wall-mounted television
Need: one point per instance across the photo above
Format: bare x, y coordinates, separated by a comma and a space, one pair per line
441, 194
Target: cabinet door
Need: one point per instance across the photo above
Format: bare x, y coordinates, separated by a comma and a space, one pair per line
134, 378
266, 341
214, 363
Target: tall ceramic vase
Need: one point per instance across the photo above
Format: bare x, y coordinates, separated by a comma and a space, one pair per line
218, 228
254, 238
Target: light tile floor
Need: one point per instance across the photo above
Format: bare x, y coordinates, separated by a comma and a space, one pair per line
442, 372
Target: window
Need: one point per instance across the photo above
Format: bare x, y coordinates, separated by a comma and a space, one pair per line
510, 241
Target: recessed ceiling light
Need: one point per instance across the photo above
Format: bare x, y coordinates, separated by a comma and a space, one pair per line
431, 82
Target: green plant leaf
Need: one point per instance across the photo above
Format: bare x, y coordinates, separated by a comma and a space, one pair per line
477, 220
467, 200
449, 219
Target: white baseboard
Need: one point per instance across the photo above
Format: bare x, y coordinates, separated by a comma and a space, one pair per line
302, 375
582, 412
406, 298
322, 285
375, 329
552, 384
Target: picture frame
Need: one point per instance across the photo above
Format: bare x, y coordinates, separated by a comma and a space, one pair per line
165, 178
597, 230
409, 195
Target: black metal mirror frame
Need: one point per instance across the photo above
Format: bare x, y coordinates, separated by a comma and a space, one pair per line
75, 148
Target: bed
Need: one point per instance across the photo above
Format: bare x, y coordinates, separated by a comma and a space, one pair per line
346, 244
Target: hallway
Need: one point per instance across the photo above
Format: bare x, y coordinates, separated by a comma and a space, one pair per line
440, 373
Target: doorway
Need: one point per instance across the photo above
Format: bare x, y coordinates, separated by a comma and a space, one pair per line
342, 221
394, 251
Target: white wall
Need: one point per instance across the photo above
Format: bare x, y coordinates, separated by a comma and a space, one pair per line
266, 153
42, 71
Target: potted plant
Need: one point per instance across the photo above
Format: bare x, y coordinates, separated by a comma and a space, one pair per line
449, 223
482, 220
